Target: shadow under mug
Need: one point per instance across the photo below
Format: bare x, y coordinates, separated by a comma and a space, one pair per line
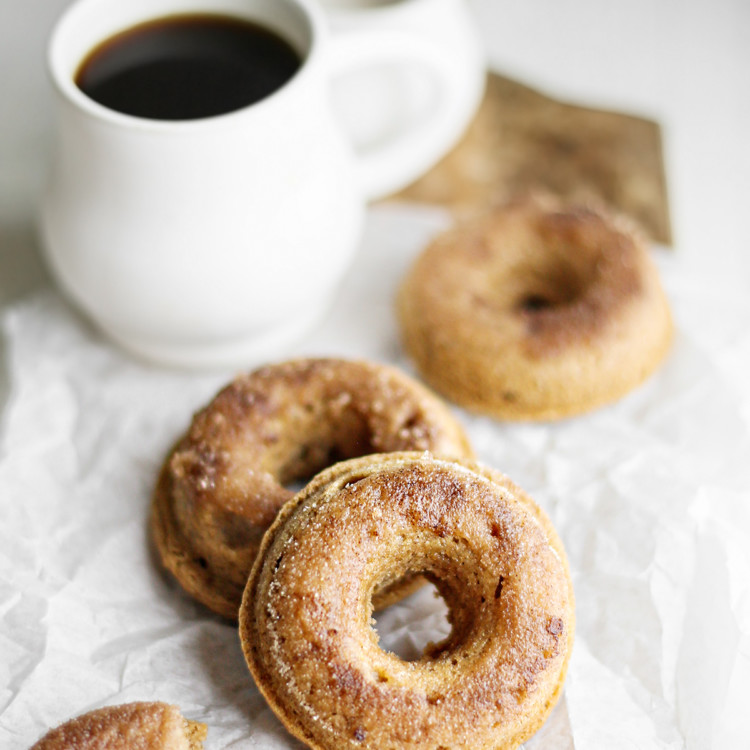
213, 242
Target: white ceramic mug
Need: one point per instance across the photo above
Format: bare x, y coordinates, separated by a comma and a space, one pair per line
217, 241
379, 102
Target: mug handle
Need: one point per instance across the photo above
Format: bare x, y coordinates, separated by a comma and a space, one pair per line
388, 166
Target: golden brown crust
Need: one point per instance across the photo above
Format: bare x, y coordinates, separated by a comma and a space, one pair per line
494, 557
535, 311
222, 485
131, 726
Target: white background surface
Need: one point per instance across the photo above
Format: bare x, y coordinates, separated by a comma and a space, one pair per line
650, 495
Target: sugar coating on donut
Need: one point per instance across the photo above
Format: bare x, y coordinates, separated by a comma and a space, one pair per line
535, 311
131, 726
305, 622
223, 483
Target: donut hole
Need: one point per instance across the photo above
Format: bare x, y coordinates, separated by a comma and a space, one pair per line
410, 635
438, 621
535, 302
321, 441
552, 286
308, 461
319, 435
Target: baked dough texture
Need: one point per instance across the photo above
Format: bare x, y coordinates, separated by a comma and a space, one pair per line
535, 311
222, 485
131, 726
492, 553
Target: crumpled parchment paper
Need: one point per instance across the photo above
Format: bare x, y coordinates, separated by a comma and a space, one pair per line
650, 496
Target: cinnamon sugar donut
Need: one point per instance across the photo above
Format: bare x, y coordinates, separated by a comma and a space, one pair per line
221, 486
492, 554
131, 726
535, 311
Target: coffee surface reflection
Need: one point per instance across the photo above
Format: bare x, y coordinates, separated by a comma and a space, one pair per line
187, 67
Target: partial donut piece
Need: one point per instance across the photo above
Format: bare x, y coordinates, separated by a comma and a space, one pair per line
131, 726
223, 484
535, 311
305, 621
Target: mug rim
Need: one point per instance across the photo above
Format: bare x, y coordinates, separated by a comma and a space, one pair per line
392, 8
65, 84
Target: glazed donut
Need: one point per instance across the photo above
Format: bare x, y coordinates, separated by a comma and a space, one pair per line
535, 311
222, 485
493, 556
131, 726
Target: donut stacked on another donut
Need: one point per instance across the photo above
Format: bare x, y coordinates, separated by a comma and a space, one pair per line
222, 485
131, 726
535, 311
491, 552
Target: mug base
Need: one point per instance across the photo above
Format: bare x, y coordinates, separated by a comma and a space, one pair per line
237, 352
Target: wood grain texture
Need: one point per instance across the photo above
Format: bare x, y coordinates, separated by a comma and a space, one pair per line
523, 141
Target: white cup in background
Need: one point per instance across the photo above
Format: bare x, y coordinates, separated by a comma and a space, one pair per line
215, 242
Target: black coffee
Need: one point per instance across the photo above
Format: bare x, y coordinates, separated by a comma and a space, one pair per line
186, 67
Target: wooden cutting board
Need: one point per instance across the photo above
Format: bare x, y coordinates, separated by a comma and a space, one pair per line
521, 140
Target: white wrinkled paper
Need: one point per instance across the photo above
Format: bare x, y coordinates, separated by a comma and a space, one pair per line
650, 497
